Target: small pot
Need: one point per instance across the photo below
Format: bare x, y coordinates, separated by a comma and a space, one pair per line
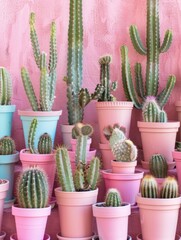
66, 238
14, 237
123, 167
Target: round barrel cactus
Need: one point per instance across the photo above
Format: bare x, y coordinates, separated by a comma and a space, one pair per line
7, 146
45, 144
158, 166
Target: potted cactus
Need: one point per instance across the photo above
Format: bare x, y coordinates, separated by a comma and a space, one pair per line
77, 193
42, 157
112, 214
163, 133
158, 208
8, 157
6, 109
32, 210
41, 109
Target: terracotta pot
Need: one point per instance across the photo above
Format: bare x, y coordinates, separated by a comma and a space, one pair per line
123, 167
127, 184
66, 131
74, 144
109, 113
43, 161
75, 213
4, 186
114, 218
106, 155
158, 217
158, 138
177, 157
30, 222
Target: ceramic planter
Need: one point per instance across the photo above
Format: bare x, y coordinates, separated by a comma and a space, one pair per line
43, 161
123, 167
6, 116
177, 157
66, 132
47, 122
106, 155
30, 222
159, 138
75, 213
127, 184
109, 113
7, 163
114, 218
4, 186
158, 217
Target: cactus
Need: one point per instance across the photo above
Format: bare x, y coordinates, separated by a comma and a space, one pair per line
45, 144
152, 50
5, 87
7, 146
47, 73
113, 198
158, 166
178, 146
149, 187
32, 189
109, 130
170, 188
31, 136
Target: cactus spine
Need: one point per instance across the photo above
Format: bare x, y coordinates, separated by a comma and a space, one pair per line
152, 50
45, 144
7, 146
170, 188
47, 73
149, 187
113, 198
158, 166
31, 135
5, 87
32, 189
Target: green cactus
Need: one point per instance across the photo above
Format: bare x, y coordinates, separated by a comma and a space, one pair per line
178, 146
7, 146
32, 189
170, 188
92, 173
5, 87
108, 131
47, 73
113, 198
158, 166
149, 187
45, 144
152, 50
31, 136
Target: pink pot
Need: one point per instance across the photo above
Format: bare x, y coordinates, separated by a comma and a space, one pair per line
106, 155
4, 186
74, 144
158, 138
177, 157
127, 184
158, 217
109, 113
66, 131
43, 161
114, 218
14, 237
75, 213
30, 222
139, 237
65, 238
2, 235
123, 167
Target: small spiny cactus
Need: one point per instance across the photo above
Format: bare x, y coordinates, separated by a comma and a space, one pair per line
5, 87
169, 188
31, 136
149, 187
158, 166
7, 146
45, 144
113, 198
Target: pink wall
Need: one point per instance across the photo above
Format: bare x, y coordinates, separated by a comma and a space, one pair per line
106, 24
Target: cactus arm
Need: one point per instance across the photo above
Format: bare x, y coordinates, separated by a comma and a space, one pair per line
31, 135
93, 173
127, 78
53, 48
34, 39
81, 153
163, 97
98, 92
136, 40
139, 81
166, 42
52, 79
79, 179
84, 97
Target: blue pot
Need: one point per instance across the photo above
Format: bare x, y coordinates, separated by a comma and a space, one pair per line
6, 116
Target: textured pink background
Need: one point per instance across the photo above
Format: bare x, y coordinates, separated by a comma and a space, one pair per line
106, 24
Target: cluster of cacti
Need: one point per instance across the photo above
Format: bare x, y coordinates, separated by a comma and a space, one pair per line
47, 72
7, 146
32, 189
5, 87
158, 166
151, 111
113, 198
85, 176
152, 50
149, 187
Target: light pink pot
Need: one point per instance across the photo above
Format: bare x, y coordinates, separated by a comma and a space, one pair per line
158, 217
177, 157
159, 138
30, 222
123, 167
139, 237
66, 131
112, 222
127, 184
43, 161
65, 238
109, 113
106, 155
14, 237
75, 213
74, 144
4, 186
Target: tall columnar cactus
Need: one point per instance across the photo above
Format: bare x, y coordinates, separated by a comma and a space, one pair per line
31, 136
158, 166
45, 144
152, 50
170, 188
5, 87
7, 146
47, 71
113, 198
149, 187
32, 189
